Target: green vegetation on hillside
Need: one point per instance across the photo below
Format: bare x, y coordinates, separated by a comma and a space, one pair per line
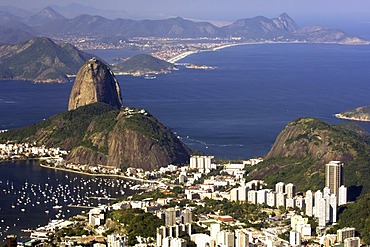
299, 154
68, 129
40, 59
135, 223
143, 64
358, 215
99, 134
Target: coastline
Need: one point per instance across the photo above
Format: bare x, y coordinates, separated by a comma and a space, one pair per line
340, 116
188, 53
180, 56
99, 175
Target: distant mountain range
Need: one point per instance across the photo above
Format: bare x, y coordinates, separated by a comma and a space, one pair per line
40, 60
49, 22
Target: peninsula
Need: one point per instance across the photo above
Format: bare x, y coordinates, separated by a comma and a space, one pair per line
358, 114
98, 130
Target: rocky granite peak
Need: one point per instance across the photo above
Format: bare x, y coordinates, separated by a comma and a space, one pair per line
310, 137
95, 82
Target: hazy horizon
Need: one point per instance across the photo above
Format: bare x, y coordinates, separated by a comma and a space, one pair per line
350, 16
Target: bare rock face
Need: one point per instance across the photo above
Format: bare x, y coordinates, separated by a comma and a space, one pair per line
95, 83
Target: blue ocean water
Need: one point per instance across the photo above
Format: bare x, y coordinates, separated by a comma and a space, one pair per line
235, 111
31, 196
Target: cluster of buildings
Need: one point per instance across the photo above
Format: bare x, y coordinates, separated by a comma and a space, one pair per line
28, 150
224, 230
345, 237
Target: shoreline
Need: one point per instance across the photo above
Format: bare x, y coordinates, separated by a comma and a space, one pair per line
99, 175
183, 55
340, 116
180, 56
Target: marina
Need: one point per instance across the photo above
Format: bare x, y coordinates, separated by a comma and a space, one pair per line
27, 202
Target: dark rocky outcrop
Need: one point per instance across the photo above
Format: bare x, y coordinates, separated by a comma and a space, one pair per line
95, 83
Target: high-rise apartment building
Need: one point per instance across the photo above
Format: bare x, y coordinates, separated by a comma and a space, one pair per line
279, 187
342, 199
170, 217
309, 203
334, 176
290, 190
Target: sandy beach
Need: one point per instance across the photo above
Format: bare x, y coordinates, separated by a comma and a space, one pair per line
188, 53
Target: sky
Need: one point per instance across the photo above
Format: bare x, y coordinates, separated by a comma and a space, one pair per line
303, 11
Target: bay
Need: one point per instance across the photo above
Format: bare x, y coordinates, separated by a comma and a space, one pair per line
31, 196
235, 111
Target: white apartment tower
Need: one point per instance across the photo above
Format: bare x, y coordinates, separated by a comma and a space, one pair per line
309, 203
280, 200
317, 197
201, 162
342, 199
271, 199
243, 194
290, 190
279, 187
321, 211
241, 239
333, 208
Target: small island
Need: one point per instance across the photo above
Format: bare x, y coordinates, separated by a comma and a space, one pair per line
143, 65
358, 114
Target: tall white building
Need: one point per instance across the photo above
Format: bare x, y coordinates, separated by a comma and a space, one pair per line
289, 203
187, 216
280, 187
252, 196
201, 162
334, 176
271, 199
214, 230
317, 197
295, 238
241, 239
170, 216
299, 202
326, 191
321, 211
290, 190
327, 207
309, 203
333, 208
234, 195
226, 238
261, 196
342, 199
243, 194
280, 200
